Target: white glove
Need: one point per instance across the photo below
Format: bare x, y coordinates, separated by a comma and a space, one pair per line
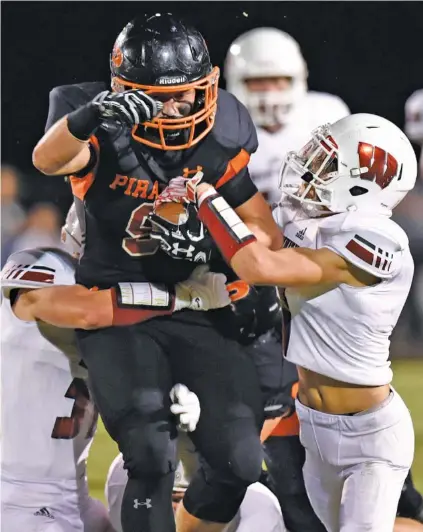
203, 290
186, 406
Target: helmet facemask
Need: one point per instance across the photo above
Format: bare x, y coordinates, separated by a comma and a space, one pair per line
159, 132
272, 108
306, 175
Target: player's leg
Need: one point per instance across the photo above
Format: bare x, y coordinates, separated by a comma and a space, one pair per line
370, 497
259, 511
284, 460
403, 524
384, 437
227, 435
411, 502
130, 380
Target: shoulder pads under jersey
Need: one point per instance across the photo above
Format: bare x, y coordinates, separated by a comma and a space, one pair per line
287, 211
233, 127
37, 268
372, 243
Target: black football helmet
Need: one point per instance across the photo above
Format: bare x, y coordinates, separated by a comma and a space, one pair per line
161, 54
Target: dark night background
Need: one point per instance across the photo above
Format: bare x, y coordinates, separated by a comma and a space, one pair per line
368, 53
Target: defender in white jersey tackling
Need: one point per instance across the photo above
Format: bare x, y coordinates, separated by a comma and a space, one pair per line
48, 417
347, 274
266, 71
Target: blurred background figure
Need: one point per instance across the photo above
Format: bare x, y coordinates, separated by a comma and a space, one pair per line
265, 69
42, 228
410, 216
12, 213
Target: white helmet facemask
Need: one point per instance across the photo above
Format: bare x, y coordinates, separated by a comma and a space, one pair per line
360, 162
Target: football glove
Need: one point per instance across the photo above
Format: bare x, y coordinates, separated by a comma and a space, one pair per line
131, 107
189, 240
186, 407
203, 290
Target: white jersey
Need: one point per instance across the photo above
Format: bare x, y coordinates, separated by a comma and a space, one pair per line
315, 109
342, 331
48, 419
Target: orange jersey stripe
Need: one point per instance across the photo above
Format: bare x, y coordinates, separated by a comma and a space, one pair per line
289, 426
235, 165
81, 185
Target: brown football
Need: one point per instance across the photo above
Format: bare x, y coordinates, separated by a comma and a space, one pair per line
173, 212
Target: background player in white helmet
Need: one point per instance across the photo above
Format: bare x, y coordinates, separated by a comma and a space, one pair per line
265, 69
347, 273
259, 510
48, 417
414, 121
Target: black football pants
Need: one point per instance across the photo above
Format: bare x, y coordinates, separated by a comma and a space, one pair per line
132, 370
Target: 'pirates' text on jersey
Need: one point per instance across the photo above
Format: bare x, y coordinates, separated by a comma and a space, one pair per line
115, 193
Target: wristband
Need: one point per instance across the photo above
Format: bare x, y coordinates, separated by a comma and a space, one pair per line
136, 302
83, 122
227, 229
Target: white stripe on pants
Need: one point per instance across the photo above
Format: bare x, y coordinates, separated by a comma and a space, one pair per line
356, 465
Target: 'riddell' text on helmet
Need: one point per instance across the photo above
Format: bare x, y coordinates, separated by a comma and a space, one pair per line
161, 55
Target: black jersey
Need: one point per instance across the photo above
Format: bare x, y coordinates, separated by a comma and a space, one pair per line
115, 193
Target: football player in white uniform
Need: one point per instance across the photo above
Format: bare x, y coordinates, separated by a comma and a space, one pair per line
414, 121
347, 273
259, 510
266, 71
48, 417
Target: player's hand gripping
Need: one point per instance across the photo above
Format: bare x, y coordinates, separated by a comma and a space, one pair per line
180, 190
203, 290
186, 406
131, 107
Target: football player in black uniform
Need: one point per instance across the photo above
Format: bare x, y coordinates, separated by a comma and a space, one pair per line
165, 117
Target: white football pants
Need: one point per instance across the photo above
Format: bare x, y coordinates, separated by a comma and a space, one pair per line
356, 465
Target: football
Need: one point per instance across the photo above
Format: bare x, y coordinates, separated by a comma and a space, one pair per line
172, 212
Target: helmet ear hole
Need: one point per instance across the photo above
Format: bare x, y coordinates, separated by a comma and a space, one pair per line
358, 191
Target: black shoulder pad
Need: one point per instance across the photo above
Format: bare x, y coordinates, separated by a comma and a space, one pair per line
66, 98
233, 127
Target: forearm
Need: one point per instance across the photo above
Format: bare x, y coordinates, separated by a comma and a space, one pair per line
252, 261
57, 149
76, 307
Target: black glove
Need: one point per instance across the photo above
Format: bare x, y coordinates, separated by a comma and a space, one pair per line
280, 404
189, 240
131, 107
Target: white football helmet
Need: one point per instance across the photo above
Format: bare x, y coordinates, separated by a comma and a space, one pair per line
362, 161
71, 234
414, 117
266, 53
37, 268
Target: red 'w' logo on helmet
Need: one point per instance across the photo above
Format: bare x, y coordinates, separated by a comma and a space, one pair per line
382, 167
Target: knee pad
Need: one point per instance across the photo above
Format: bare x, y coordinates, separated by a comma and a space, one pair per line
212, 498
148, 449
245, 458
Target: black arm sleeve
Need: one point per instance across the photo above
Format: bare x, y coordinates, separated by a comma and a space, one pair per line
239, 189
66, 98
